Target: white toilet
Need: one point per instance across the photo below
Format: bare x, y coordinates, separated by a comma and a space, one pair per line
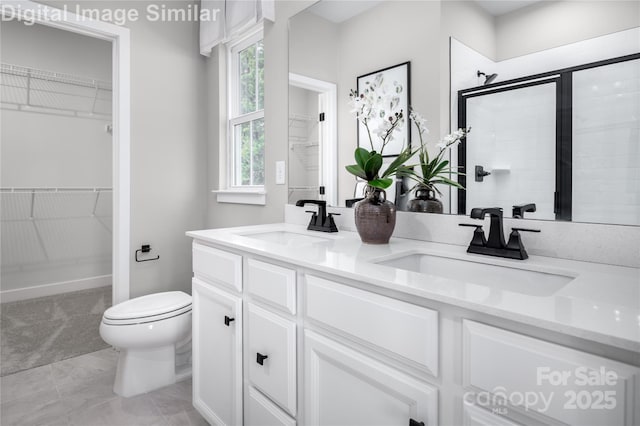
149, 331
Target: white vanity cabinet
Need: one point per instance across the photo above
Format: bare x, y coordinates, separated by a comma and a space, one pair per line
217, 354
281, 343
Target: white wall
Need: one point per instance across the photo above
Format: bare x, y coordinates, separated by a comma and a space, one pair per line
168, 145
550, 24
313, 47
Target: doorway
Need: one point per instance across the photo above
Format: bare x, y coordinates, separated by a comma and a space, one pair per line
65, 206
312, 139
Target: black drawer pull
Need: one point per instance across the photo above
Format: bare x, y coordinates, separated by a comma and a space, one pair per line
260, 358
228, 320
415, 423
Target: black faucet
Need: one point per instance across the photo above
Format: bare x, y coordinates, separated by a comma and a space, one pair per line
496, 235
495, 245
320, 221
518, 211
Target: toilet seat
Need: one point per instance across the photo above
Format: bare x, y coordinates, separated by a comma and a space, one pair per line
147, 309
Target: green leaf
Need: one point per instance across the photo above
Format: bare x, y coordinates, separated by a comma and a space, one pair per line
403, 171
356, 170
372, 166
361, 155
439, 167
448, 181
382, 183
399, 161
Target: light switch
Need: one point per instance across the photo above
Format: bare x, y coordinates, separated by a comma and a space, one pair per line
280, 172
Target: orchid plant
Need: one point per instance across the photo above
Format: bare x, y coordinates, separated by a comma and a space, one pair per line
379, 100
435, 170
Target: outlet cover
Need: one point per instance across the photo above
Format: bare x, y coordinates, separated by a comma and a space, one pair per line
280, 172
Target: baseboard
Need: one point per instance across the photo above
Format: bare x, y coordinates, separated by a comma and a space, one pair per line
54, 288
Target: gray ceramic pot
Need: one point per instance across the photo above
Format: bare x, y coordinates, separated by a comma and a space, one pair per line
425, 201
375, 217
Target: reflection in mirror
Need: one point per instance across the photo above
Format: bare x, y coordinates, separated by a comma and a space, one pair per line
312, 139
561, 130
458, 46
337, 41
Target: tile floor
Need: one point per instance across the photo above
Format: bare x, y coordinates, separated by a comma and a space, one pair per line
78, 391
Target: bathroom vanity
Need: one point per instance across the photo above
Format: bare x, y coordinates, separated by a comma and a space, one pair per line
298, 327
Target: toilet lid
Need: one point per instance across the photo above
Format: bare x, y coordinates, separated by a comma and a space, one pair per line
149, 306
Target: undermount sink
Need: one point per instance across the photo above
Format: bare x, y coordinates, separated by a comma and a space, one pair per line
287, 238
505, 278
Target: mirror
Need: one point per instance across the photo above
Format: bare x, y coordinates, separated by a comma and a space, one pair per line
594, 179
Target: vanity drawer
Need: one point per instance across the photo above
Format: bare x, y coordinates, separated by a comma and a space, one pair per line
271, 355
272, 284
517, 366
403, 329
260, 411
217, 266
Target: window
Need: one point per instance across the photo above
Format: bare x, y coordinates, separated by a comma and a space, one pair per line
246, 114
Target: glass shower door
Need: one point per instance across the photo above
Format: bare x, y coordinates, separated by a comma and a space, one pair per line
606, 144
511, 150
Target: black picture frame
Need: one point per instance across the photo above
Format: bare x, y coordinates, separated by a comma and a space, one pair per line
401, 73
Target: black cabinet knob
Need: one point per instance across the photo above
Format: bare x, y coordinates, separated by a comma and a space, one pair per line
415, 423
260, 358
228, 320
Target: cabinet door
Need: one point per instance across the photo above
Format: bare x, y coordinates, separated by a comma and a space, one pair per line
217, 354
271, 354
345, 387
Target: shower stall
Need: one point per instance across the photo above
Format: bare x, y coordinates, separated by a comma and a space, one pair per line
566, 140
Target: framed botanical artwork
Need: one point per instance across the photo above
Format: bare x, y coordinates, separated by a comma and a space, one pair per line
395, 79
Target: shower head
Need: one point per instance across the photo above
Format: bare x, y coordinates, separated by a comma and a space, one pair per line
488, 79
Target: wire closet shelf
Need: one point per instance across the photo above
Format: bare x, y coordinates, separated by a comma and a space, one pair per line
49, 92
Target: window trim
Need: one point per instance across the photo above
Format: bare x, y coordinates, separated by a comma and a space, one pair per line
234, 118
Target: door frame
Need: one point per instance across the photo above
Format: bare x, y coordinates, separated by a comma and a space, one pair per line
30, 11
328, 166
562, 191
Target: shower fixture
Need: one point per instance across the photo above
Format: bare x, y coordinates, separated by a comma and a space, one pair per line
487, 78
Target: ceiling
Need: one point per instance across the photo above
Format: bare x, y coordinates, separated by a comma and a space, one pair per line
339, 11
500, 7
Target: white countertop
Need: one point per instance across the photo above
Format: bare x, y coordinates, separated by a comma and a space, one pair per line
602, 302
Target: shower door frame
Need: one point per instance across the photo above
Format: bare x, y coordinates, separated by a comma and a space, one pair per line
563, 135
118, 36
564, 126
